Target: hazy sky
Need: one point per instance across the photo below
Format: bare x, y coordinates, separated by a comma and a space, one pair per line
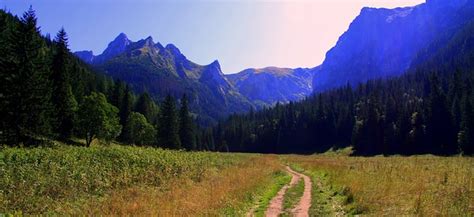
239, 33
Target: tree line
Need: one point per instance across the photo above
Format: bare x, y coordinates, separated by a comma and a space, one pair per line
433, 115
429, 110
47, 93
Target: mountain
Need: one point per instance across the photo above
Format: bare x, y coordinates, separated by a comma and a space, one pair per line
158, 69
270, 85
162, 70
427, 110
383, 43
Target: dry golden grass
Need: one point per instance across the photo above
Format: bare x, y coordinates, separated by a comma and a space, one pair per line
419, 185
230, 191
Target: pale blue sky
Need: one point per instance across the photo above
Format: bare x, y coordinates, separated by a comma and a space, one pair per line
239, 33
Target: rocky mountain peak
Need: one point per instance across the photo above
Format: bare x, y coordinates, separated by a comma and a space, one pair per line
116, 47
215, 64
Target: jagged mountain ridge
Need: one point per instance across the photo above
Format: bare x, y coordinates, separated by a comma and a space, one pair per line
158, 69
149, 66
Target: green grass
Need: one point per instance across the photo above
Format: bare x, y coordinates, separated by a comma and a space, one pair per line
328, 199
280, 179
44, 180
417, 185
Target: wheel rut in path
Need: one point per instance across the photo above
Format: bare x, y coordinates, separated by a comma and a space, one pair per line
275, 207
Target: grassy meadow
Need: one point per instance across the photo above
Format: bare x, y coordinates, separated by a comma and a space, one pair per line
126, 180
414, 186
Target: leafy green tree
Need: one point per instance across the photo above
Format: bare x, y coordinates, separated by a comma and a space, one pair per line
63, 100
186, 129
98, 119
168, 136
141, 132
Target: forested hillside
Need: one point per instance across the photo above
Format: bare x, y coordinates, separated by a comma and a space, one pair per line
47, 93
428, 110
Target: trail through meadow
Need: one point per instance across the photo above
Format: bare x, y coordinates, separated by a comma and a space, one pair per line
275, 207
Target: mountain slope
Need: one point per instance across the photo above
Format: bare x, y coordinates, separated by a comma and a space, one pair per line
428, 110
148, 66
270, 85
383, 43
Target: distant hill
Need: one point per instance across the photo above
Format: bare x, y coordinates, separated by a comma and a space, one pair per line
271, 85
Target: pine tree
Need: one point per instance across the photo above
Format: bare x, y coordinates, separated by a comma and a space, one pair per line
439, 116
124, 114
145, 106
29, 95
466, 134
416, 135
8, 66
117, 93
63, 100
186, 129
168, 135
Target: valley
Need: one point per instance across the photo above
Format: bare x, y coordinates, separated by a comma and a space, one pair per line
159, 182
383, 127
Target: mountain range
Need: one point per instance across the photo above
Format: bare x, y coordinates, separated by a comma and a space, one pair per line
379, 43
161, 70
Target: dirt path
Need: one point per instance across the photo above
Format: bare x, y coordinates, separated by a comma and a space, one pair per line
302, 208
275, 207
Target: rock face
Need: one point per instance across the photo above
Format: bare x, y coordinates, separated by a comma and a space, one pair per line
270, 85
148, 66
382, 43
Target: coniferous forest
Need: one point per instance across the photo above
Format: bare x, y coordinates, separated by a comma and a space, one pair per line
429, 110
47, 93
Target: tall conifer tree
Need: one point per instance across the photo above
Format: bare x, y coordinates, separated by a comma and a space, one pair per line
168, 135
30, 96
63, 100
124, 114
186, 129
